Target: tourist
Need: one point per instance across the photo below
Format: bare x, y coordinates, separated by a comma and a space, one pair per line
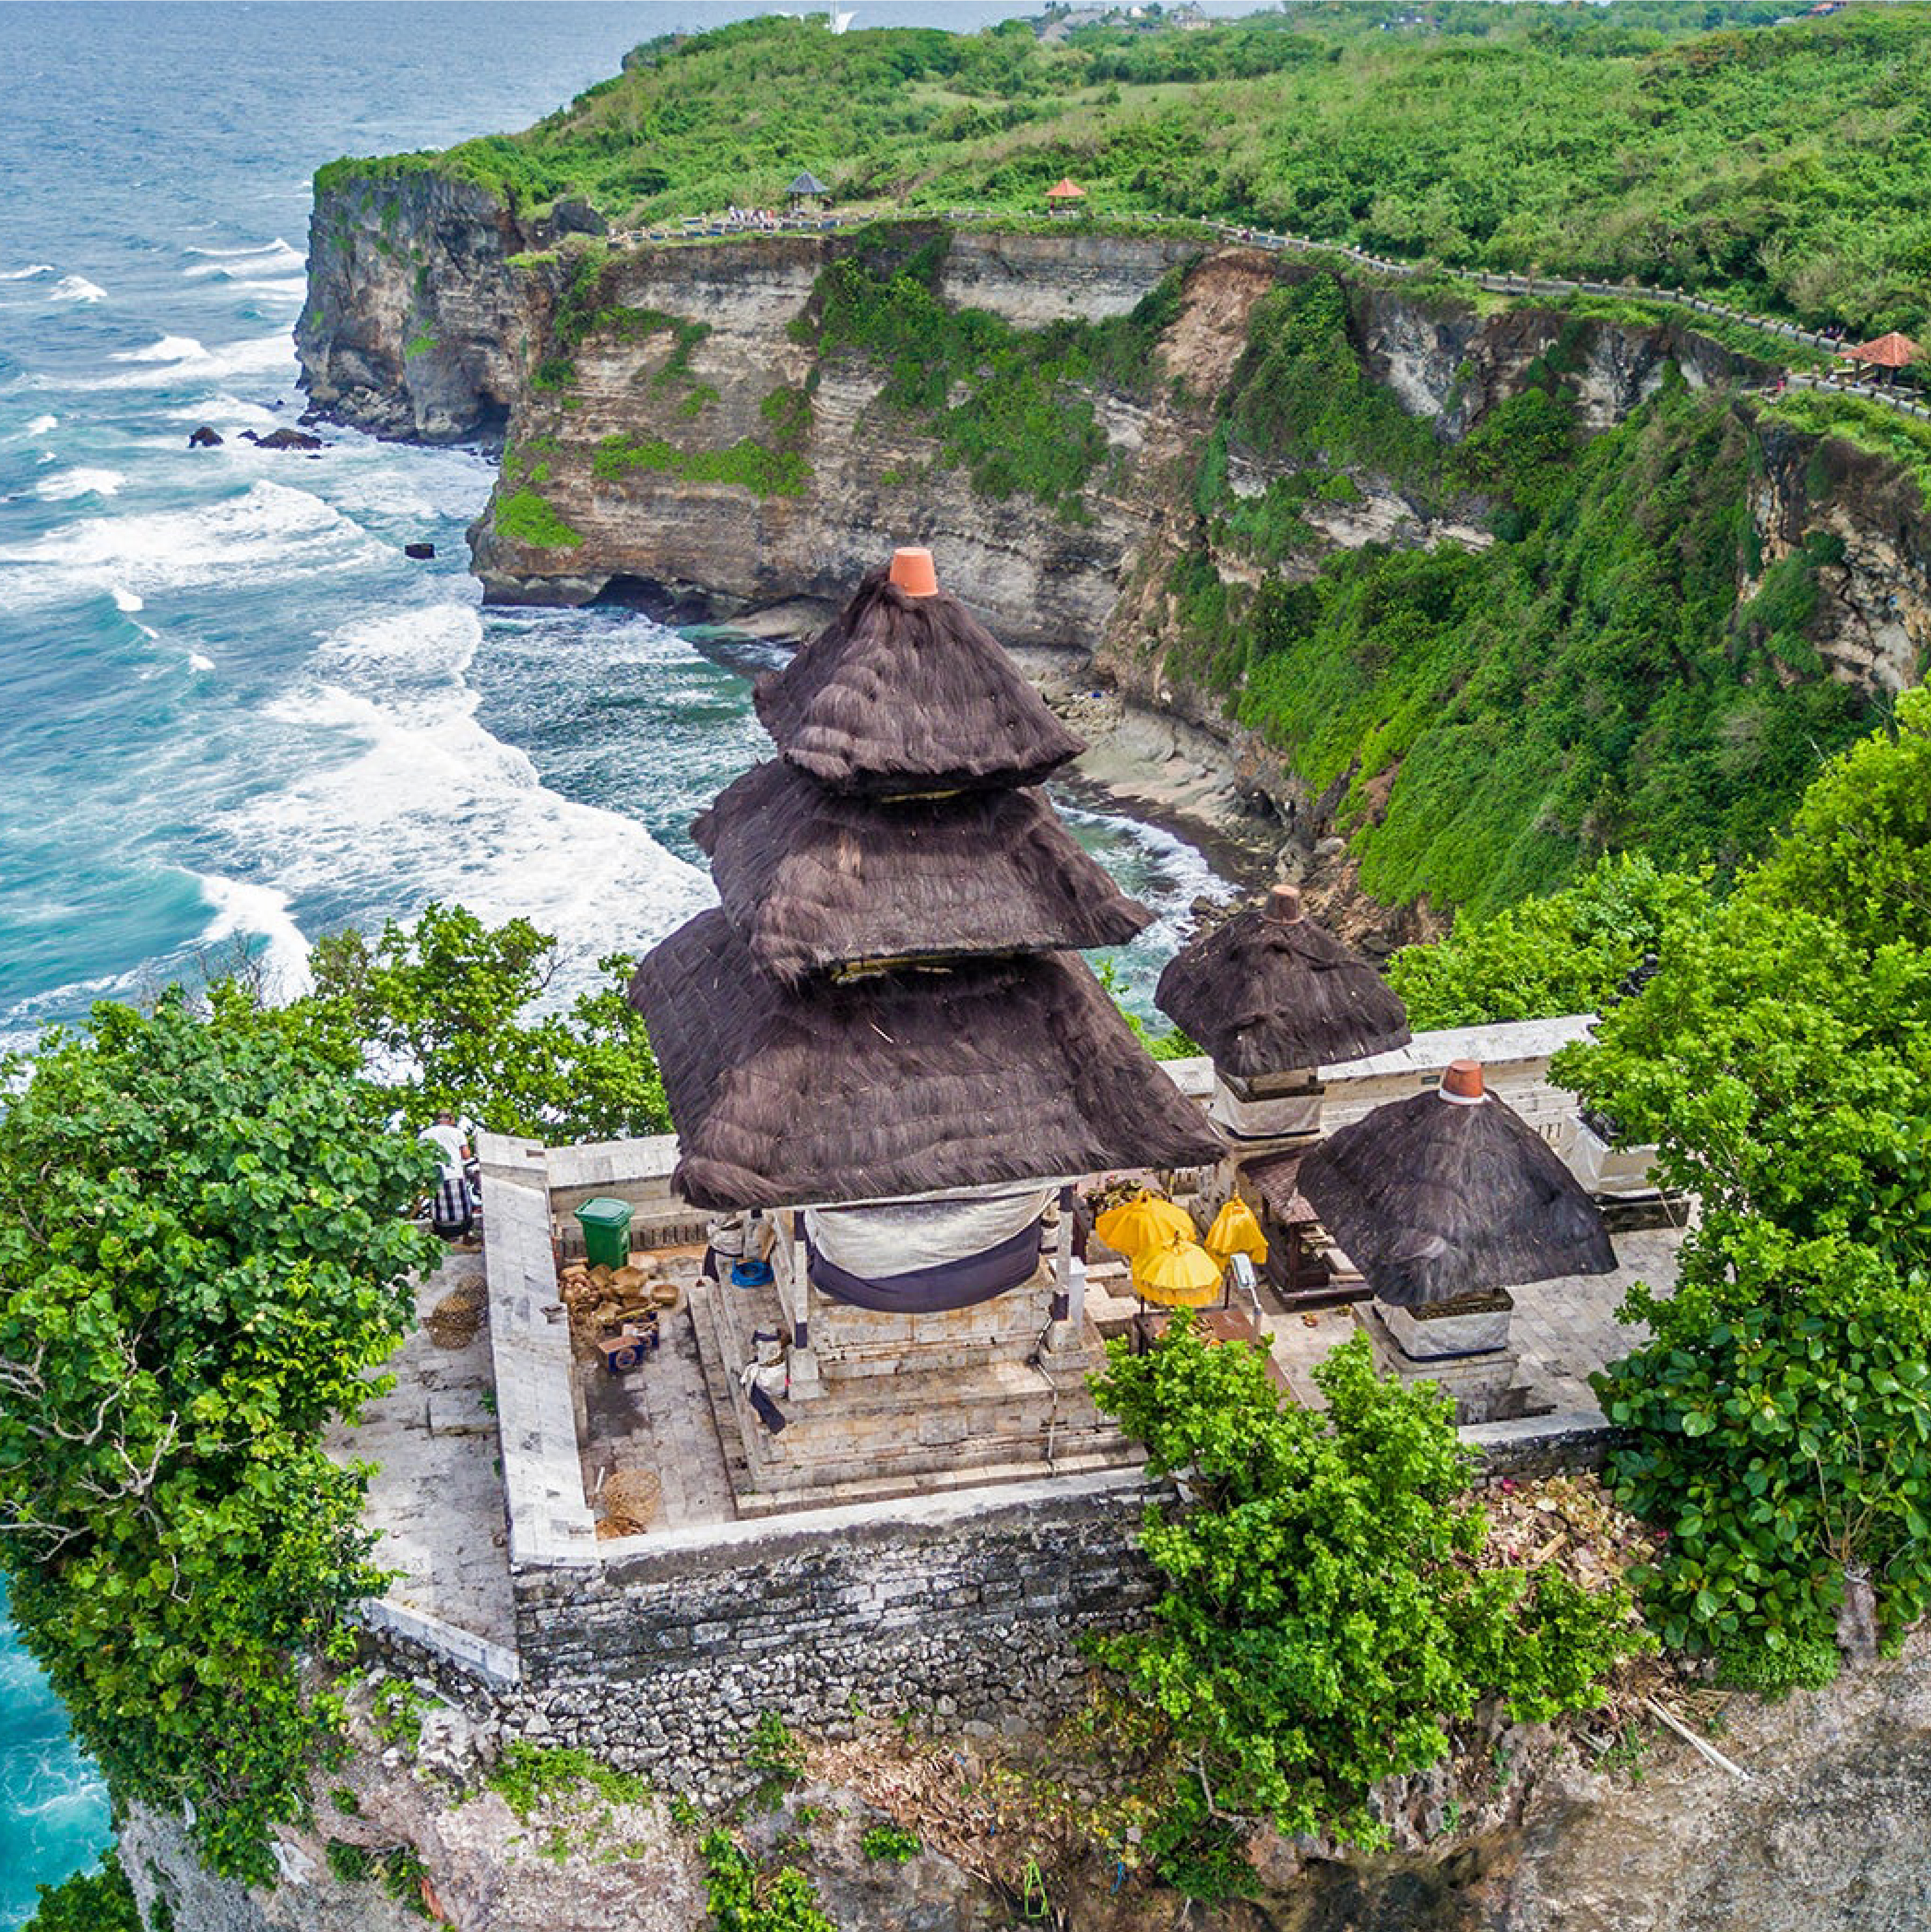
452, 1212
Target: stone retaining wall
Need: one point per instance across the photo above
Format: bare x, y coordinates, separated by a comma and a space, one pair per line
662, 1656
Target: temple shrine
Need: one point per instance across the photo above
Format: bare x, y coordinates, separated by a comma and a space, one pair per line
887, 1067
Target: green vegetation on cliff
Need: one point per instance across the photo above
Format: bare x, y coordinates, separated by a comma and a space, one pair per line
1490, 719
201, 1260
1780, 1059
1327, 1611
1779, 165
1013, 407
204, 1259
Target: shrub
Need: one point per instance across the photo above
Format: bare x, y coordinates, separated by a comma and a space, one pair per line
1323, 1620
201, 1259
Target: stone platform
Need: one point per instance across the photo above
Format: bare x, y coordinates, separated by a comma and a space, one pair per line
979, 1399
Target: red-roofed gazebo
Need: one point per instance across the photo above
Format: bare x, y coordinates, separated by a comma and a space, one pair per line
1887, 352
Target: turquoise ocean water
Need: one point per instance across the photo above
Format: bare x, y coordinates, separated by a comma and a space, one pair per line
234, 712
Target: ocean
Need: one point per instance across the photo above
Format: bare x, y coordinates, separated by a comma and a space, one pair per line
236, 714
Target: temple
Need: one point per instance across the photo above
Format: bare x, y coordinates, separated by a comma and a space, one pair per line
884, 1046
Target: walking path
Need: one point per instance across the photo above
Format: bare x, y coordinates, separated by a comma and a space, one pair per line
1836, 381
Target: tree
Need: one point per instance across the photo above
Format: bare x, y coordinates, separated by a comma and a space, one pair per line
1781, 1061
95, 1901
1859, 849
202, 1261
1570, 953
1781, 1410
1324, 1618
1783, 1072
442, 1008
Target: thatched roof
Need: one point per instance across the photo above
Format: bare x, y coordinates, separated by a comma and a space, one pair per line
812, 879
904, 694
905, 1084
1270, 991
1433, 1196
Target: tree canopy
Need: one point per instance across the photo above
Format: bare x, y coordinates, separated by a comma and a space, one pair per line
446, 1011
1780, 1059
202, 1259
1323, 1618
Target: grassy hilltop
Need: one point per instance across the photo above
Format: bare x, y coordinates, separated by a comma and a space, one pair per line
1780, 165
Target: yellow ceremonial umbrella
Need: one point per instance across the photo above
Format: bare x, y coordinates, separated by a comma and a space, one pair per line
1235, 1231
1181, 1274
1145, 1221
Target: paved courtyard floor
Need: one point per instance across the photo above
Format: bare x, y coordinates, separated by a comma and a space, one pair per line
650, 1439
436, 1497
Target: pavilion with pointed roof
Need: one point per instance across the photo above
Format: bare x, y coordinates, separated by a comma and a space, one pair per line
884, 1039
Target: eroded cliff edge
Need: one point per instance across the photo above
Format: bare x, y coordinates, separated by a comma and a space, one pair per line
1093, 431
1828, 1828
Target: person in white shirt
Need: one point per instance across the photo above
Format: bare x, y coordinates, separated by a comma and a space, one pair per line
452, 1213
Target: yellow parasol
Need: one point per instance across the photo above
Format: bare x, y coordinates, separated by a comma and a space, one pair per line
1145, 1221
1181, 1274
1235, 1231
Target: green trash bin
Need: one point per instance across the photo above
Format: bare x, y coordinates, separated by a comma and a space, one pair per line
606, 1225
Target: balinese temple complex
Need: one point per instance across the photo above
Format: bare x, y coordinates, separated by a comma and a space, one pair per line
884, 1044
1443, 1202
889, 1069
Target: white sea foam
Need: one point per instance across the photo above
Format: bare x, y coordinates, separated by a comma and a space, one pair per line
43, 425
232, 410
256, 259
126, 600
169, 349
194, 364
405, 798
77, 289
271, 533
249, 912
80, 483
286, 288
197, 660
26, 275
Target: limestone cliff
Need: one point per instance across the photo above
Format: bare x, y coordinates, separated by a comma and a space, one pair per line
691, 428
1828, 1828
413, 328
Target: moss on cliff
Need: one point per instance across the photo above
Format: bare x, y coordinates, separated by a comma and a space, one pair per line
526, 516
1013, 407
747, 463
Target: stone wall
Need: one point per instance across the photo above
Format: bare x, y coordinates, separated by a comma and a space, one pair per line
970, 1605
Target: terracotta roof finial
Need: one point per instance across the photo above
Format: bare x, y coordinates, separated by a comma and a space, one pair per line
912, 572
1462, 1082
1284, 905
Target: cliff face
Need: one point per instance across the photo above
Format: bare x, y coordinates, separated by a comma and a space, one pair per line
1830, 1830
413, 328
706, 429
705, 454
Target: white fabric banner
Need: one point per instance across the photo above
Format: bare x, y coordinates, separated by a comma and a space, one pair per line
877, 1242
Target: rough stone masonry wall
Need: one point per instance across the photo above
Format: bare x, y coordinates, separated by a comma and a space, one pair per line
663, 1657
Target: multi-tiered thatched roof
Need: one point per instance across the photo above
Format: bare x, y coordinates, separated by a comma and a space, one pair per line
815, 880
904, 1084
904, 695
1450, 1193
1270, 991
897, 836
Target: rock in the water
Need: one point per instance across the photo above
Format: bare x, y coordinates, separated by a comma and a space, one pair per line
288, 439
204, 438
421, 552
